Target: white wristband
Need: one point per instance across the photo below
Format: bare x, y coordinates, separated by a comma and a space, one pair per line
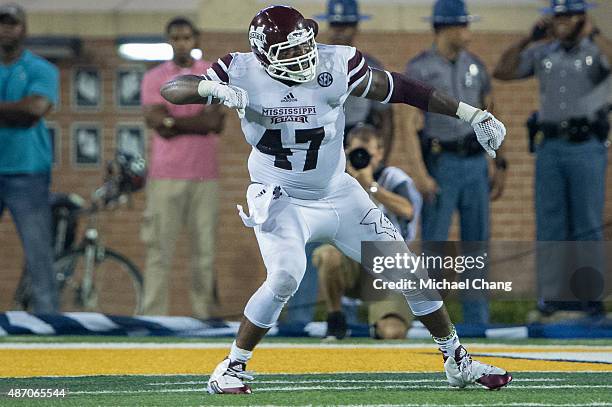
205, 88
466, 112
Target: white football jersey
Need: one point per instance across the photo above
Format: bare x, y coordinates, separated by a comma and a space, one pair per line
296, 130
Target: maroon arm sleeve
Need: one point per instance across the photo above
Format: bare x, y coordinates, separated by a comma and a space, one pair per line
409, 91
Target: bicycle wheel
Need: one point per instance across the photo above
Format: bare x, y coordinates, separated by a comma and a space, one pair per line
116, 285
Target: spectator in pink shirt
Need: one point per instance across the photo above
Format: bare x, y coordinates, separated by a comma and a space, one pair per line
183, 179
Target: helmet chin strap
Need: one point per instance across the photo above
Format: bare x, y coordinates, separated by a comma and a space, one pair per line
297, 77
300, 77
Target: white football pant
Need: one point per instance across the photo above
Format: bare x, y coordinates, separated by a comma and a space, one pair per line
345, 218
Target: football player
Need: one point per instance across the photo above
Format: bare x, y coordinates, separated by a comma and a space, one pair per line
289, 93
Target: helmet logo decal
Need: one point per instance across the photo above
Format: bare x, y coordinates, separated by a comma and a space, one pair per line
257, 37
297, 35
325, 79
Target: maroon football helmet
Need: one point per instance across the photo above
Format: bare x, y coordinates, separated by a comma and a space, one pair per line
284, 42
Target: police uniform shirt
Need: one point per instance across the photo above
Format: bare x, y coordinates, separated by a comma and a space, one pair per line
466, 79
357, 110
573, 83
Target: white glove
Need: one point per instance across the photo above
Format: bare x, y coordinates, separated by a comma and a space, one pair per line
490, 132
231, 96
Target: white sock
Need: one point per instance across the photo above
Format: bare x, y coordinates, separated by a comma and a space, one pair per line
449, 343
240, 355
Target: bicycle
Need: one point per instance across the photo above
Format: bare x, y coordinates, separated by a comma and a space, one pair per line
92, 277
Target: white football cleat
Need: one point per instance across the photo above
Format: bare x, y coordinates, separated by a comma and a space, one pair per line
227, 378
462, 370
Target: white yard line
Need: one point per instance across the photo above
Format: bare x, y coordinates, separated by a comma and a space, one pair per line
284, 374
564, 356
512, 386
452, 405
474, 405
183, 345
343, 388
445, 405
314, 381
186, 390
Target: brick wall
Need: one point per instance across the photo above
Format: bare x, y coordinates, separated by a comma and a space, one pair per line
238, 264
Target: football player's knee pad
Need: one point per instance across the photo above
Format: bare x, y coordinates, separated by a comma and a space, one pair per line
264, 307
283, 284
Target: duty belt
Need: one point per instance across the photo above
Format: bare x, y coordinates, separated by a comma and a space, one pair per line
579, 129
463, 146
574, 130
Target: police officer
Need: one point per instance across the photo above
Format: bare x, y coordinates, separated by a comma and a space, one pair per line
457, 176
573, 68
343, 17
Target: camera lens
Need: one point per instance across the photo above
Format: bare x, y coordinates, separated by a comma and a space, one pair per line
359, 158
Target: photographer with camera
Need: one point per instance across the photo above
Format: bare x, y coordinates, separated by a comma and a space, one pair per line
398, 198
571, 60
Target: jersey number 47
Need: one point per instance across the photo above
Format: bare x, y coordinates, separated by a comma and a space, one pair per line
271, 143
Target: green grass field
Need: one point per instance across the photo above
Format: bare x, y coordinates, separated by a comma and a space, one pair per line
533, 389
546, 387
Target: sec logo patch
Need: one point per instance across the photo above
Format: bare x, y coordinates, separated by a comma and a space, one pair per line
325, 79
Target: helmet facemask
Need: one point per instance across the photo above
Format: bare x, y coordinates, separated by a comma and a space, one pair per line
300, 68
